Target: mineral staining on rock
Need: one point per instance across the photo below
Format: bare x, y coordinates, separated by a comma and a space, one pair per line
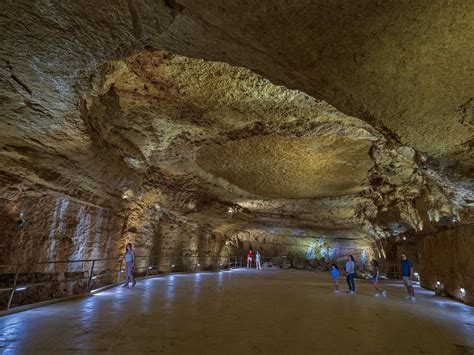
194, 137
182, 155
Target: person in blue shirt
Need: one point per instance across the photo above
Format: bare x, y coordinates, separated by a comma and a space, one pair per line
129, 265
335, 277
407, 276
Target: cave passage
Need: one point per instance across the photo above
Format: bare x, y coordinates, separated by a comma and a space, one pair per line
169, 140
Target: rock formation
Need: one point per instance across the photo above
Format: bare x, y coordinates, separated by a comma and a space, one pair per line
196, 128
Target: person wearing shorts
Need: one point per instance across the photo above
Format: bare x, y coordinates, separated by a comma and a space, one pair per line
376, 277
249, 258
407, 276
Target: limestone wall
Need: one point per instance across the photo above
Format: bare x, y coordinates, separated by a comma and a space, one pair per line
46, 226
303, 245
446, 256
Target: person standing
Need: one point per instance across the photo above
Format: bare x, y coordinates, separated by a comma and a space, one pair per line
129, 265
376, 277
257, 261
335, 277
407, 276
249, 258
350, 272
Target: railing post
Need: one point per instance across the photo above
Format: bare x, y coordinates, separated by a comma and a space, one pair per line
90, 276
14, 286
119, 272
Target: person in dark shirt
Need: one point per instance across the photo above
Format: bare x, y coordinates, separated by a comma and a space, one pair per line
407, 276
376, 277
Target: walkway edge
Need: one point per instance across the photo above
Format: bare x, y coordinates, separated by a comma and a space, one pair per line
28, 307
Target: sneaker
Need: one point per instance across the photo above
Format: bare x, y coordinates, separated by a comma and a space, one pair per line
408, 297
351, 292
377, 295
336, 291
126, 285
412, 298
384, 293
134, 283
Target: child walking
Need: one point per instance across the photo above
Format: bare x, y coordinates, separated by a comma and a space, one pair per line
375, 278
335, 277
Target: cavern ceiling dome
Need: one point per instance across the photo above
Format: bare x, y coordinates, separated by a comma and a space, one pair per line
276, 166
192, 127
333, 115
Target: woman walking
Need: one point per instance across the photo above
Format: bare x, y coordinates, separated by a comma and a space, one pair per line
257, 261
129, 265
249, 258
350, 272
375, 278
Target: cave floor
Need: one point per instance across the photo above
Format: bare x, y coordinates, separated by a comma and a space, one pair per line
243, 311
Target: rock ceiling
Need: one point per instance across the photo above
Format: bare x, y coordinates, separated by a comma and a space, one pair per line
372, 129
276, 166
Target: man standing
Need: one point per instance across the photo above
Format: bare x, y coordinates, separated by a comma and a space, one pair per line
407, 275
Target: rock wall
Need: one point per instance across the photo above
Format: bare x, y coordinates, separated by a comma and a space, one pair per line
447, 257
44, 227
300, 245
390, 250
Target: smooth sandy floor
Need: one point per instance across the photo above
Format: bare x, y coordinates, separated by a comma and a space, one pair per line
243, 312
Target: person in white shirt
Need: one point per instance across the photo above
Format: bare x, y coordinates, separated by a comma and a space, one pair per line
257, 261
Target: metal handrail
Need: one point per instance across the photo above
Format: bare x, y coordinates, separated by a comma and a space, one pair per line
216, 262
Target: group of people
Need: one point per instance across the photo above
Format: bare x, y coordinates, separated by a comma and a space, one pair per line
406, 268
129, 259
407, 276
258, 266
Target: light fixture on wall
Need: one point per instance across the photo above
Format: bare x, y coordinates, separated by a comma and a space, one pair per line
127, 194
21, 220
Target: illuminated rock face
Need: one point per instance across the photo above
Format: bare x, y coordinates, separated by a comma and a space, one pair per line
106, 136
275, 166
447, 257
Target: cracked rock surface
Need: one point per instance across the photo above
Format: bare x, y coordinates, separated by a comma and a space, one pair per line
198, 127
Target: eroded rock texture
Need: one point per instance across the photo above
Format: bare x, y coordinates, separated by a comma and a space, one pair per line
198, 128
